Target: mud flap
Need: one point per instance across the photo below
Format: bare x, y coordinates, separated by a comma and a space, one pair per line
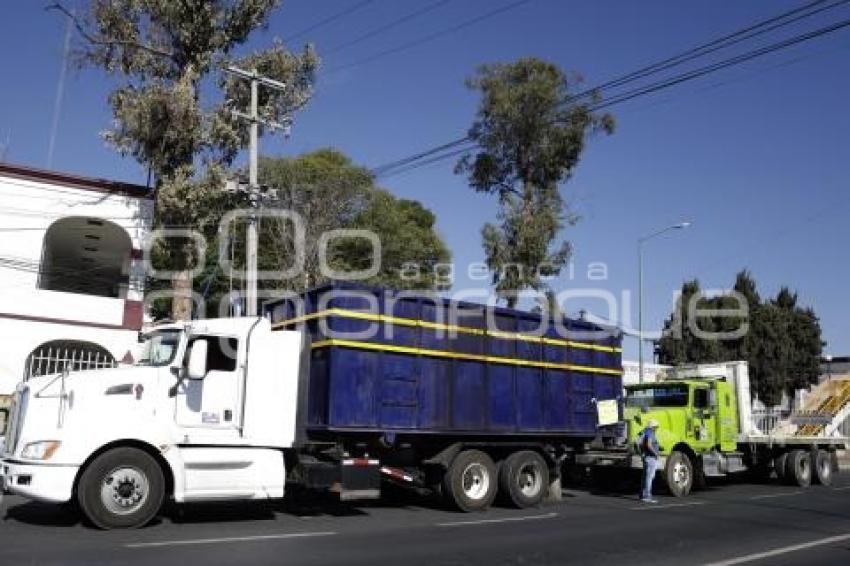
361, 479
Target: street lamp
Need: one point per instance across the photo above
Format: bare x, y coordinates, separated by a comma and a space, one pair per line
679, 226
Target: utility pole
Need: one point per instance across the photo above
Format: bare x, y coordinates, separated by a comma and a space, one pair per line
254, 195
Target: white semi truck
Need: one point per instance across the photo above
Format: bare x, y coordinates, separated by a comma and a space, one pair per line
238, 408
118, 440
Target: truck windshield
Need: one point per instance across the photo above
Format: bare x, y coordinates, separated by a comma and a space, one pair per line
159, 348
666, 396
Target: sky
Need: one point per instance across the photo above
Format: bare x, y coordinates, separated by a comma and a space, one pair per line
754, 156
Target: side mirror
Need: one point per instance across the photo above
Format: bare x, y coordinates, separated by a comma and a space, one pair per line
712, 399
198, 360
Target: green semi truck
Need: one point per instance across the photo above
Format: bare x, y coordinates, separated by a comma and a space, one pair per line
707, 431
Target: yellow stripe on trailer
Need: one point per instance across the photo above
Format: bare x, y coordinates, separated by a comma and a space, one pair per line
346, 313
375, 346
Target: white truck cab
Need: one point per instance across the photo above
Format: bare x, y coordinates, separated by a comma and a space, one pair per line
205, 414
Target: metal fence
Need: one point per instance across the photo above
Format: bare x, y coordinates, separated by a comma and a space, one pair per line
766, 419
56, 357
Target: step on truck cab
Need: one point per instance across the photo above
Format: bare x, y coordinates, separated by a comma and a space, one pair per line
339, 389
707, 430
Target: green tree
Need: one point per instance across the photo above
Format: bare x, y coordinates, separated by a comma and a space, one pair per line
326, 190
330, 192
164, 55
679, 344
530, 130
782, 344
411, 248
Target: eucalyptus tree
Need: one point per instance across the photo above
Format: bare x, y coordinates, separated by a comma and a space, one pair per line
530, 130
172, 104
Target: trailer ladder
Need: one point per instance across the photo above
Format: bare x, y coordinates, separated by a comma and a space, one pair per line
826, 407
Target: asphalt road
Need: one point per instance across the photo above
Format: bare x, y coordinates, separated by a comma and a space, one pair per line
728, 523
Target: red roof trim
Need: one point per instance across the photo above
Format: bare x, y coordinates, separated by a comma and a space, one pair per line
75, 181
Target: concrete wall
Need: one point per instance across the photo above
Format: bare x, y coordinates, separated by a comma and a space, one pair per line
31, 201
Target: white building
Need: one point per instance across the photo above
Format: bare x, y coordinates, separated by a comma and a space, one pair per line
71, 271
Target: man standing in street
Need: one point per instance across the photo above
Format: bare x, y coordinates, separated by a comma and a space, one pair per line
649, 452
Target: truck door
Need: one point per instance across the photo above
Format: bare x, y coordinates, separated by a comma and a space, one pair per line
703, 419
212, 403
727, 411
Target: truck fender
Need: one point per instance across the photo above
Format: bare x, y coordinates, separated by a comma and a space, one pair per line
444, 457
168, 468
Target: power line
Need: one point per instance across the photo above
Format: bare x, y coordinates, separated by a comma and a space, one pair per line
749, 32
327, 20
378, 171
407, 164
732, 61
435, 159
388, 26
430, 37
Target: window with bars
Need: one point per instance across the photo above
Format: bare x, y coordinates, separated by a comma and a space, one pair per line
73, 355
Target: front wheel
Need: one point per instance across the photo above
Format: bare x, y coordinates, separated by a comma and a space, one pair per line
122, 488
679, 474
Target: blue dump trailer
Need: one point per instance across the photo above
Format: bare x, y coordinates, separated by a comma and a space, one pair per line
467, 400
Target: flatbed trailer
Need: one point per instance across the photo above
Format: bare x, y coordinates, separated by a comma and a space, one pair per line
707, 431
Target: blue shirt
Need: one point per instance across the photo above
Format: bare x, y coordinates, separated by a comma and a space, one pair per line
653, 447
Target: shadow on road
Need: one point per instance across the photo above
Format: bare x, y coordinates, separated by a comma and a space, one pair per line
42, 514
296, 504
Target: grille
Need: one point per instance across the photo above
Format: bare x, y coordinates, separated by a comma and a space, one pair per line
16, 420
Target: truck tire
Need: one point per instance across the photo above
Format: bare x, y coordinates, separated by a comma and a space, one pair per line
470, 482
798, 468
679, 474
122, 488
524, 479
780, 468
822, 466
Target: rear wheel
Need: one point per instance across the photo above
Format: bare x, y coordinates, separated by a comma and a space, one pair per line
779, 466
679, 474
822, 465
470, 482
121, 489
798, 468
524, 479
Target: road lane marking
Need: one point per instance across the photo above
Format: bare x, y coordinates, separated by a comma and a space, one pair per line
778, 551
226, 539
503, 520
770, 495
841, 488
647, 506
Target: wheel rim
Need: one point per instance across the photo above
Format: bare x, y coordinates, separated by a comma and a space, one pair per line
681, 474
529, 480
124, 490
805, 469
476, 481
825, 470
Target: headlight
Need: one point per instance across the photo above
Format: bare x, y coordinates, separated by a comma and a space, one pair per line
41, 450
